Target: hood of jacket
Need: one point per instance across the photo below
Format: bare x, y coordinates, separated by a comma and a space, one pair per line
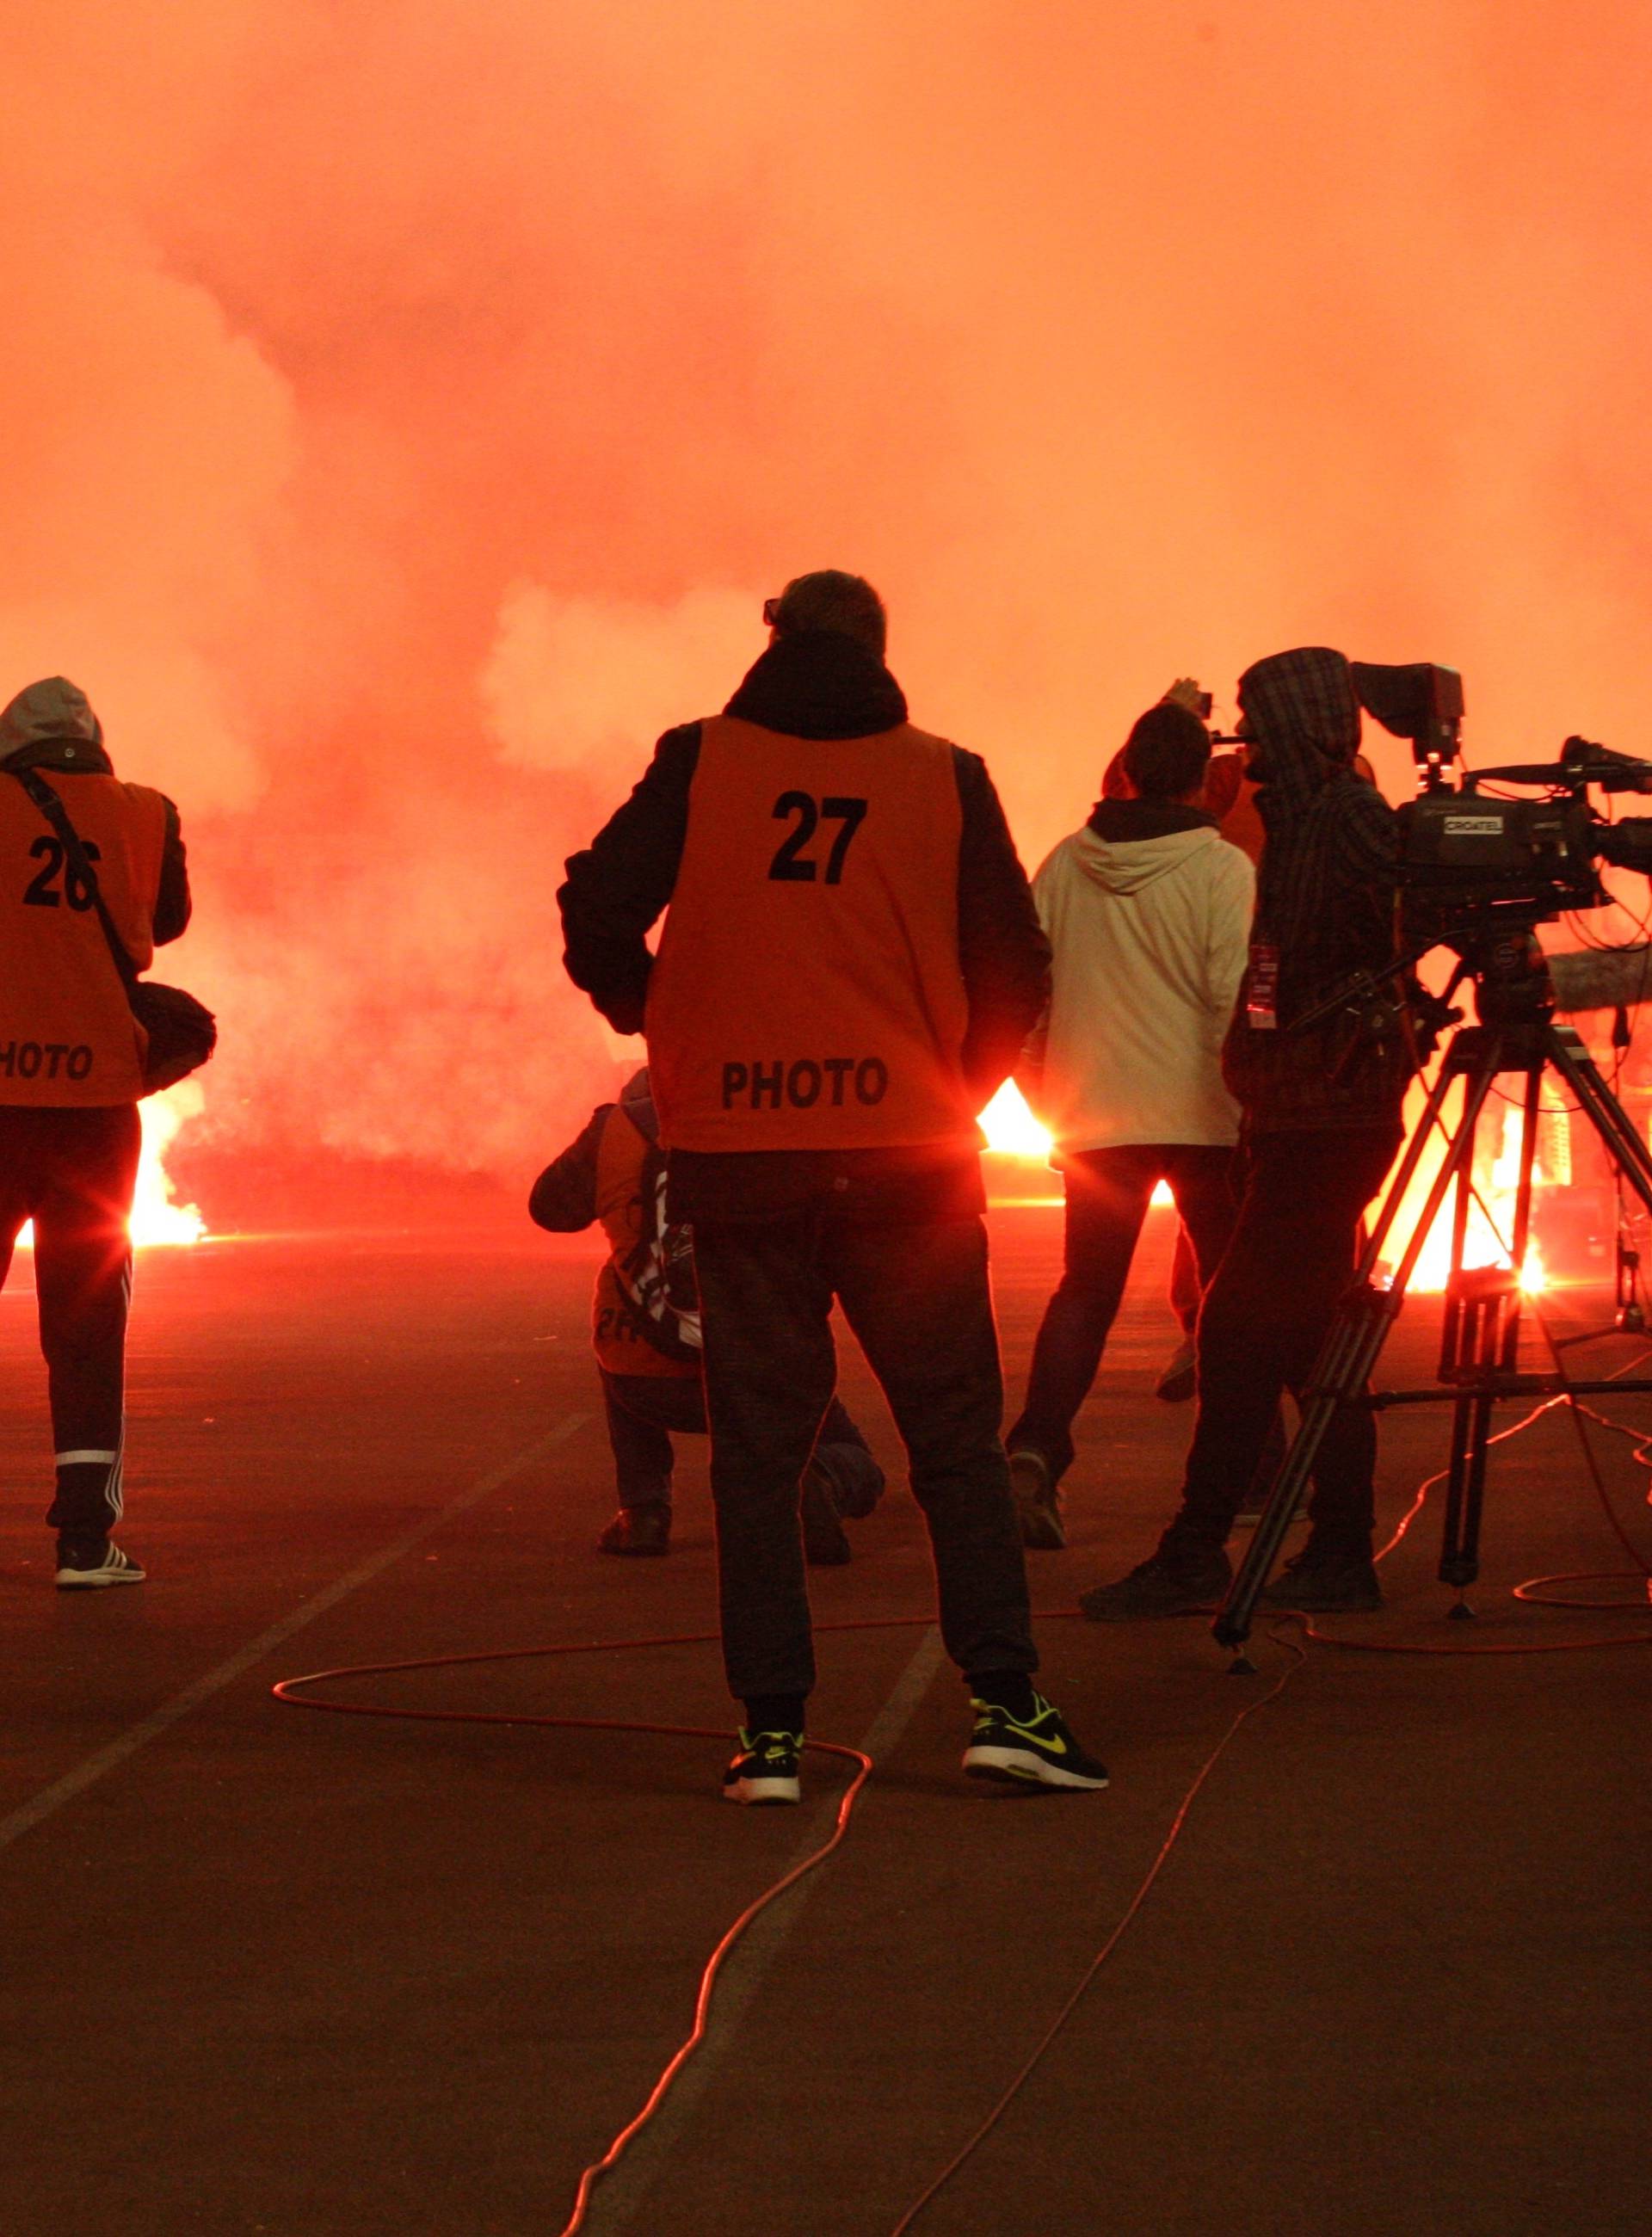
50, 725
1127, 866
1304, 716
815, 683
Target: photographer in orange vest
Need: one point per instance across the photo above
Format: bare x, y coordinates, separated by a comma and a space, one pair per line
70, 1077
851, 962
645, 1332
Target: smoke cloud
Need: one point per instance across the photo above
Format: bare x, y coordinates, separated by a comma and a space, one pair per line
410, 407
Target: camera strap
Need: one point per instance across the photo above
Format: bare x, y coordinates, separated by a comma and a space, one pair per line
80, 863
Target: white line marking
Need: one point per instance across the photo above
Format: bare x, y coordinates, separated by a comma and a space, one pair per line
619, 2196
96, 1766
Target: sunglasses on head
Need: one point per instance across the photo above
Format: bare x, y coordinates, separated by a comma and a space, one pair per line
771, 613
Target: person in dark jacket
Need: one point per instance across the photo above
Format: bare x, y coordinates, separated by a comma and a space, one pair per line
849, 965
70, 1077
1320, 1124
645, 1331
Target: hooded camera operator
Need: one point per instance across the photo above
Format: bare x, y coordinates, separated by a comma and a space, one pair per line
1320, 1124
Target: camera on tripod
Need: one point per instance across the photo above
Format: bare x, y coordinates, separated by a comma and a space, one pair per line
1478, 872
1472, 861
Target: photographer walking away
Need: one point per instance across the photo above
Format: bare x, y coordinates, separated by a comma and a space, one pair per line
1148, 912
1321, 1123
645, 1331
70, 1078
850, 964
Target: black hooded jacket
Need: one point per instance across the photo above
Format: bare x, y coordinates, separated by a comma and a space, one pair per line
809, 685
1324, 903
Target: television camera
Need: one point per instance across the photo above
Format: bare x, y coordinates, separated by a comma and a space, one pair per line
1474, 861
1478, 871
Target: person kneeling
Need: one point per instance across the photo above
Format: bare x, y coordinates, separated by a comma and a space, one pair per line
645, 1331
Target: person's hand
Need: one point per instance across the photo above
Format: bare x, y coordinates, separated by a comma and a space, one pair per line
1184, 692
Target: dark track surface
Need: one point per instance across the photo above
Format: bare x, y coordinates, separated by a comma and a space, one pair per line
268, 1971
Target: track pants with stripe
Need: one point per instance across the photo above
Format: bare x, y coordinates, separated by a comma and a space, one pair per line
72, 1172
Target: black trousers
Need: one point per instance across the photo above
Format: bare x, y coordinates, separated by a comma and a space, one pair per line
645, 1412
1107, 1195
915, 1293
72, 1172
1264, 1316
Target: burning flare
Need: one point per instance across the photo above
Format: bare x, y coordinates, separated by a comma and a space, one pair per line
1496, 1180
1012, 1131
1010, 1128
157, 1216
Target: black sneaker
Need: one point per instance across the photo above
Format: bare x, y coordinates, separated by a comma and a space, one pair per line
1325, 1584
639, 1530
92, 1564
1038, 1503
1041, 1751
1175, 1583
765, 1768
825, 1539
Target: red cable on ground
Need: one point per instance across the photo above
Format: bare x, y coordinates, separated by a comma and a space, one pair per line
289, 1690
1102, 1955
1366, 1645
1528, 1591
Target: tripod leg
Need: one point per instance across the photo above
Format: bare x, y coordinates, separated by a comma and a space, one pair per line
1351, 1351
1452, 1317
1358, 1331
1605, 1113
1485, 1343
1459, 1158
1461, 1441
1406, 1171
1523, 1203
1466, 1567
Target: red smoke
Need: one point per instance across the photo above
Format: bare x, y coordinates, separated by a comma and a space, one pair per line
411, 406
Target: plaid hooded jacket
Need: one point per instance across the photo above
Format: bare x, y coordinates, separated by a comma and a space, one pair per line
1325, 900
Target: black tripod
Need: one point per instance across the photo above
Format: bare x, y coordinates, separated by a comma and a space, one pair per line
1480, 1337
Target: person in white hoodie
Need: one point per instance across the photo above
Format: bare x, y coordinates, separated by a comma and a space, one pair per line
1147, 911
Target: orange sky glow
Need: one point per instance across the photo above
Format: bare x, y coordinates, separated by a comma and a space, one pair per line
412, 406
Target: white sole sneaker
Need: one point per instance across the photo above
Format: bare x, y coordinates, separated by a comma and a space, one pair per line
115, 1568
764, 1790
1039, 1751
1018, 1766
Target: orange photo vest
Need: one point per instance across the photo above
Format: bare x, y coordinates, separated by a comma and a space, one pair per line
617, 1331
807, 993
67, 1035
